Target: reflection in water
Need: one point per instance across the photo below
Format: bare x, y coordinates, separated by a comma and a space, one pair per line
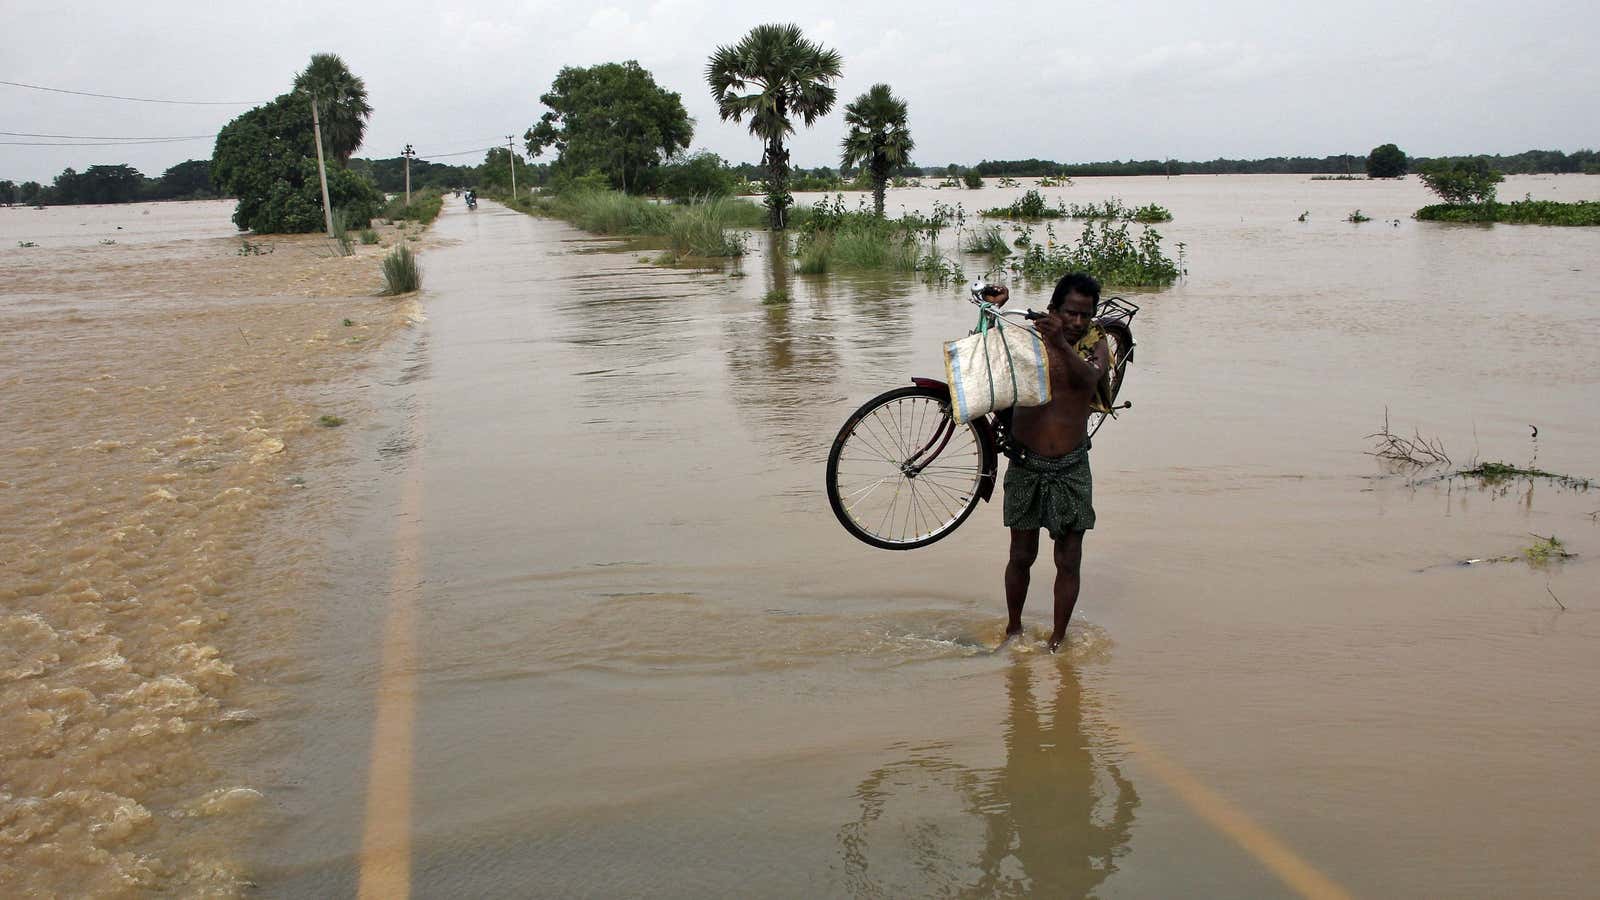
783, 364
1046, 824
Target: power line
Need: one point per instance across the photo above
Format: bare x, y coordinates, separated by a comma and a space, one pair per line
102, 143
105, 137
458, 153
38, 87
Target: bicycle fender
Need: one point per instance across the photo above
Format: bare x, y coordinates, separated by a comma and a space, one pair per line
991, 456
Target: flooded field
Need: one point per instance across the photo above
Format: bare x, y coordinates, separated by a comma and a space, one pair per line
562, 610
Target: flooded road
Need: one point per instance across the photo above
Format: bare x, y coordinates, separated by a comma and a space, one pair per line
581, 622
641, 656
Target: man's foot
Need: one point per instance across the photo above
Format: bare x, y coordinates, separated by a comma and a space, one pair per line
1012, 633
1056, 640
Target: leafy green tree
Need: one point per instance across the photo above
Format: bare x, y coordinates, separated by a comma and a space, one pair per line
878, 140
8, 192
611, 118
772, 74
267, 159
341, 100
1462, 181
1386, 161
98, 184
28, 192
703, 174
495, 173
189, 180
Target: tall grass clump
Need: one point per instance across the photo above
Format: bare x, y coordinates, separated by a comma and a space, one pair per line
401, 274
423, 208
341, 232
988, 240
705, 227
832, 236
815, 254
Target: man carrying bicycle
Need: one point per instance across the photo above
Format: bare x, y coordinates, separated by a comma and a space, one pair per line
1047, 483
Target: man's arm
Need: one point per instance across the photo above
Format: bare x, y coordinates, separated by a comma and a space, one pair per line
1064, 357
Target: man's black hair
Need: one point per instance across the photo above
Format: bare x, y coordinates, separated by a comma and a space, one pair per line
1076, 282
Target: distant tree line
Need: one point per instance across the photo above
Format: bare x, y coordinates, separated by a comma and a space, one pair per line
1529, 162
190, 180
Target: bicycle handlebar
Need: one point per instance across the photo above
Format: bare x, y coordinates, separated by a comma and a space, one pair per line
980, 290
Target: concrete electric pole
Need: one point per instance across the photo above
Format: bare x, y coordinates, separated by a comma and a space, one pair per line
511, 145
408, 153
322, 167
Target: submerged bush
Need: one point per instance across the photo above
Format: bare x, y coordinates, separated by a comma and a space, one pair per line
401, 274
1105, 251
1031, 205
986, 239
1521, 212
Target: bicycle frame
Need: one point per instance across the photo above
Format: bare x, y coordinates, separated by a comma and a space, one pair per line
1115, 314
986, 440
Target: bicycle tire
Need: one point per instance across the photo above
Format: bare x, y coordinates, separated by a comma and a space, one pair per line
1119, 340
872, 451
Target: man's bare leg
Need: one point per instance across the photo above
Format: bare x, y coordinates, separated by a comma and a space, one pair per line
1024, 549
1069, 554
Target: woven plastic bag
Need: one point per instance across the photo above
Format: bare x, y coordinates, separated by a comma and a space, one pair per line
1000, 366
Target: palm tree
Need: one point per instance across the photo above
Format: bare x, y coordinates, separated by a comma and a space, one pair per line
878, 138
340, 101
774, 73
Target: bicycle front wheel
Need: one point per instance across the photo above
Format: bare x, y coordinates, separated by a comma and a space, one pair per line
902, 473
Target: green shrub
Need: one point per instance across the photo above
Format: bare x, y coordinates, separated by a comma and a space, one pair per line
972, 180
424, 207
1107, 252
1521, 212
816, 255
1462, 181
368, 236
401, 274
1356, 216
1031, 205
1152, 212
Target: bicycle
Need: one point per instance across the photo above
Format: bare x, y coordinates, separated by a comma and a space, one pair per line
903, 473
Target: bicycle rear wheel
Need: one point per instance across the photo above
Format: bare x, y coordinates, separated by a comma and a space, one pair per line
902, 473
1119, 341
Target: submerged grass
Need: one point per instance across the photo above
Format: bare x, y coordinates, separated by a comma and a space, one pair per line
705, 227
988, 240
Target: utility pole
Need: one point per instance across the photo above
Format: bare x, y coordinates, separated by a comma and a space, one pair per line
512, 146
408, 153
322, 167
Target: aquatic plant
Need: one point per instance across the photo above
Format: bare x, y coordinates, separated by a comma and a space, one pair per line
401, 274
777, 295
1055, 181
26, 244
1498, 473
1356, 216
1545, 549
972, 180
1303, 215
330, 421
248, 247
1152, 212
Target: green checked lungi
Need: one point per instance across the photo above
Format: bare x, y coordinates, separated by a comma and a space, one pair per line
1053, 492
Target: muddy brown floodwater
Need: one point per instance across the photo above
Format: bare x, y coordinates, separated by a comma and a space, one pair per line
563, 610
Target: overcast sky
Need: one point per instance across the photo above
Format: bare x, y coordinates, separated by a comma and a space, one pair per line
1074, 82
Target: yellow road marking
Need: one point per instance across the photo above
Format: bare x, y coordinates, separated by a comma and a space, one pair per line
386, 840
1280, 860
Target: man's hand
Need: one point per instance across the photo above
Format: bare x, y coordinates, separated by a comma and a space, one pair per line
997, 295
1050, 328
